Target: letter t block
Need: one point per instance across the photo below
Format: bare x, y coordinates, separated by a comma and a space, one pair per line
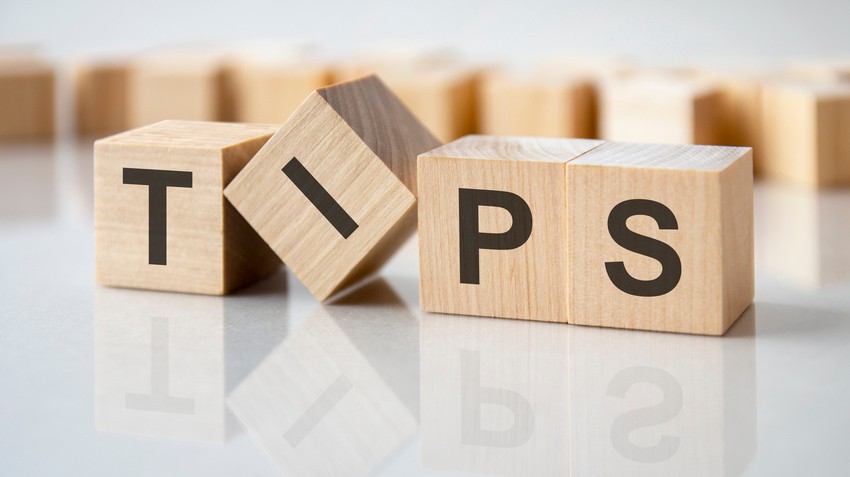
493, 226
334, 190
161, 221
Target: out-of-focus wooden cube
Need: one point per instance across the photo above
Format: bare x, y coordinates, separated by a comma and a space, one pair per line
537, 104
661, 109
101, 96
26, 97
806, 133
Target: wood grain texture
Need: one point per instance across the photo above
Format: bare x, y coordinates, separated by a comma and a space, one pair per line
179, 85
660, 109
538, 104
101, 96
210, 248
708, 190
359, 143
527, 282
26, 98
806, 133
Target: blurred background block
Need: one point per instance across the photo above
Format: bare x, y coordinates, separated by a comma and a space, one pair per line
661, 108
806, 133
26, 96
101, 95
537, 104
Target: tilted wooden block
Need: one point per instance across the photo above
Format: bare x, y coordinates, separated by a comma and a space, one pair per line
101, 94
26, 98
269, 91
806, 133
660, 237
161, 221
660, 109
538, 104
187, 85
493, 226
334, 190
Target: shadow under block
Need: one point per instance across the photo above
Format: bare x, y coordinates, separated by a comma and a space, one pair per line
333, 192
101, 95
660, 237
269, 92
182, 86
161, 221
806, 133
26, 98
542, 106
493, 226
667, 110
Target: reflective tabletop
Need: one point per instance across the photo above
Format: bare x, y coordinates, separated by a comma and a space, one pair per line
268, 381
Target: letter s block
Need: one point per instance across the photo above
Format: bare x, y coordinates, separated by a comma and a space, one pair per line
660, 237
334, 190
493, 226
161, 220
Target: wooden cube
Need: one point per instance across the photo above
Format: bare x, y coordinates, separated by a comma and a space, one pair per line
318, 394
660, 109
493, 226
740, 113
660, 237
26, 98
269, 90
186, 85
334, 190
102, 94
161, 221
661, 404
806, 133
537, 105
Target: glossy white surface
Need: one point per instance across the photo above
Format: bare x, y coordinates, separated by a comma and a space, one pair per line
100, 381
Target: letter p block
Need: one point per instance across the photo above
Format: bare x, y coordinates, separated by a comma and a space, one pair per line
493, 226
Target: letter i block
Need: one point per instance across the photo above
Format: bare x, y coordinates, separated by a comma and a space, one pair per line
660, 237
493, 226
161, 221
333, 191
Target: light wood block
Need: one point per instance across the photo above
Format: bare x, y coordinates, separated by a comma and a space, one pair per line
740, 113
806, 133
102, 94
660, 237
269, 90
185, 85
660, 109
493, 226
537, 105
178, 234
334, 190
26, 98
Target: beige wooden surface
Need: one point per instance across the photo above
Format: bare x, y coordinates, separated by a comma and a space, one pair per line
27, 108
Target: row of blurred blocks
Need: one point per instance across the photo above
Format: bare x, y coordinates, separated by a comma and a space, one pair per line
797, 119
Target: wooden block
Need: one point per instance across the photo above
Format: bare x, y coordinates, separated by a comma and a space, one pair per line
740, 113
493, 226
646, 404
318, 394
186, 85
806, 133
161, 221
812, 253
269, 90
685, 263
334, 190
660, 109
26, 98
101, 93
537, 105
